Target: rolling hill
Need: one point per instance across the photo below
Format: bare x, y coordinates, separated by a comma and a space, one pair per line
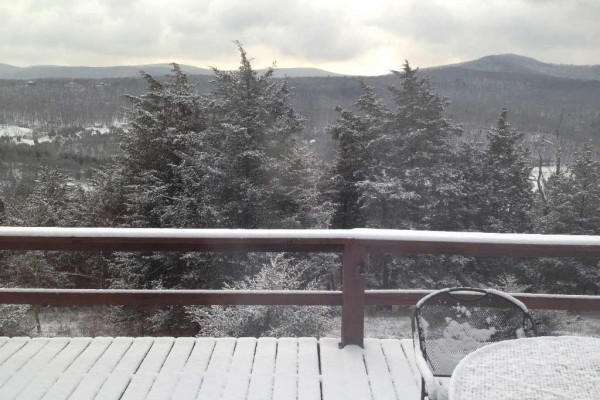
536, 94
512, 63
127, 71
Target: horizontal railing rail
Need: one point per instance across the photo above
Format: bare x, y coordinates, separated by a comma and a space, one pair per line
354, 244
297, 240
162, 297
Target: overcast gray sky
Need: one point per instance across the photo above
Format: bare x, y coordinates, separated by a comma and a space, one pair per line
365, 37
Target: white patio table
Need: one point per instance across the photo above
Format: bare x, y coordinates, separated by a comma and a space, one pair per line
545, 368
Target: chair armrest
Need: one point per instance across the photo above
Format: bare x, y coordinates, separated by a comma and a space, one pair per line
428, 378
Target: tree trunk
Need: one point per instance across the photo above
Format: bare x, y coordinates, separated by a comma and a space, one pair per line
36, 316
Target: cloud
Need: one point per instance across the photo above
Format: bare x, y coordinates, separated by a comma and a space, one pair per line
354, 36
554, 30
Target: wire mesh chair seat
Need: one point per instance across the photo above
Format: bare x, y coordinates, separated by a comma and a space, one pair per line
450, 323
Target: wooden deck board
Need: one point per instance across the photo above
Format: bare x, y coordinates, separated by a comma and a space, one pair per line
286, 370
263, 370
309, 387
204, 368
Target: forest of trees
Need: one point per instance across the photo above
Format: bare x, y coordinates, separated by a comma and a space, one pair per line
233, 157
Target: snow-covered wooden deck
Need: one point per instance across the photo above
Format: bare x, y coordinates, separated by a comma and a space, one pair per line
205, 368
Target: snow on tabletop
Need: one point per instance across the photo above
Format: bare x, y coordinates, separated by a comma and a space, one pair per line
564, 367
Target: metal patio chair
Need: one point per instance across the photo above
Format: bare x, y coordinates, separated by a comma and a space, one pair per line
450, 323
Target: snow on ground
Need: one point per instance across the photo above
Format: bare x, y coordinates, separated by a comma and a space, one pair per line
22, 135
15, 131
98, 129
393, 323
28, 136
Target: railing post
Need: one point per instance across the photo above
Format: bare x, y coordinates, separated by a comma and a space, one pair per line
353, 294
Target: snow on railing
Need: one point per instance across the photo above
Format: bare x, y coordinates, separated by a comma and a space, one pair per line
354, 244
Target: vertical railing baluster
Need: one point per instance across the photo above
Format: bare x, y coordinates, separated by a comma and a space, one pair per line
353, 294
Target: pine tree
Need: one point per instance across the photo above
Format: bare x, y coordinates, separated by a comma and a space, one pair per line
161, 123
146, 188
411, 179
497, 196
249, 160
52, 200
351, 168
573, 207
227, 159
396, 169
507, 189
574, 197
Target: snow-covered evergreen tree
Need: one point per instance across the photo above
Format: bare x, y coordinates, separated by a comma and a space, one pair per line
249, 162
508, 189
161, 122
396, 169
227, 159
52, 200
146, 188
413, 179
353, 134
399, 158
572, 207
238, 321
574, 197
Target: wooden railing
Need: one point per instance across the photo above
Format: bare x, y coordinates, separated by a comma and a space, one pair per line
354, 245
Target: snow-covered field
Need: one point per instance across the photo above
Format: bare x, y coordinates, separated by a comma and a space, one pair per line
547, 171
95, 130
28, 136
21, 134
15, 131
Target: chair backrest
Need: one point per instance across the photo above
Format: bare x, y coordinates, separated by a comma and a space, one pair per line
451, 323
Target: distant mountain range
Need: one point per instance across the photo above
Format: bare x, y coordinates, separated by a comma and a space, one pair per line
512, 63
502, 63
541, 98
130, 71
